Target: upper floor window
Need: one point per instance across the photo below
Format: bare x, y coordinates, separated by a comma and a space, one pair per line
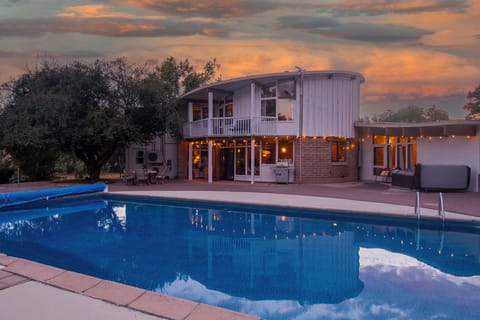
200, 112
279, 100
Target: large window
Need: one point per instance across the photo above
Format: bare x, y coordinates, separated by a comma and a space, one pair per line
200, 112
285, 150
279, 100
394, 153
269, 155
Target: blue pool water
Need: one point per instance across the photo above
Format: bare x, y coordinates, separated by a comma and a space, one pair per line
274, 266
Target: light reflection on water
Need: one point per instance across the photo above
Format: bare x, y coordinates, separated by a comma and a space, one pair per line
276, 267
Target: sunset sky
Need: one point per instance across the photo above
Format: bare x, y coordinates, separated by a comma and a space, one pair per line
421, 52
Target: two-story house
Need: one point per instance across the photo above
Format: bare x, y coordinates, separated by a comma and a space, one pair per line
244, 129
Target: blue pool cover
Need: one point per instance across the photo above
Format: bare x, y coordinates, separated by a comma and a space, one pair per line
18, 198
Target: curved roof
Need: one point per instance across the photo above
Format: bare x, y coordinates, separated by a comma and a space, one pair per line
263, 79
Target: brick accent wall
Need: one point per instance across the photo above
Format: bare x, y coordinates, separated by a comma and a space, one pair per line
313, 162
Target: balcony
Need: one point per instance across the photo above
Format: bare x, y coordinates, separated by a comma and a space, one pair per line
232, 127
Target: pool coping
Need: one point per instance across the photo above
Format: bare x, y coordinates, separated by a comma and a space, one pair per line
294, 201
16, 271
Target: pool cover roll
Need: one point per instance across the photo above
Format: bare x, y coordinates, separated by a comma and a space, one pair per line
22, 197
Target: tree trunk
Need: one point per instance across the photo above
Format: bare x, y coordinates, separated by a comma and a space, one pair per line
95, 162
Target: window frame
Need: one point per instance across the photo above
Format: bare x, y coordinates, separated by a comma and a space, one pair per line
271, 94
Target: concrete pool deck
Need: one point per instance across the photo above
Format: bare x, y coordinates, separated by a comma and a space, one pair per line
32, 290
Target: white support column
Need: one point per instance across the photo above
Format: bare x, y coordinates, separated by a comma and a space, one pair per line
210, 112
190, 118
210, 161
190, 112
252, 141
252, 105
190, 161
252, 160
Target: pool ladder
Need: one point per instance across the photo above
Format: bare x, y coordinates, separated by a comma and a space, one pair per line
441, 207
441, 213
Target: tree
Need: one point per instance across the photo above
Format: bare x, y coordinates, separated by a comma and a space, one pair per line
92, 110
412, 114
408, 114
31, 145
435, 114
473, 104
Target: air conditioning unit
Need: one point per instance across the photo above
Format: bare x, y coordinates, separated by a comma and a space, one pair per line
152, 157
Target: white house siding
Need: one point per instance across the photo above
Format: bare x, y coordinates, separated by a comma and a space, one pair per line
330, 106
457, 151
241, 102
366, 160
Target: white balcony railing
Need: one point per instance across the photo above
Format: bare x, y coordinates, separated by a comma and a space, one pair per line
229, 127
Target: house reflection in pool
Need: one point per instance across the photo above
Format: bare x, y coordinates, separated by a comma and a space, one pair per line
263, 257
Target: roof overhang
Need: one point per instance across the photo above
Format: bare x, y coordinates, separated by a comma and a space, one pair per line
222, 88
419, 129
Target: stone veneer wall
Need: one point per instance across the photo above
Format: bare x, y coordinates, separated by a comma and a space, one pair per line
313, 161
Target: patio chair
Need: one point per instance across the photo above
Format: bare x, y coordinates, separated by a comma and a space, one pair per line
141, 177
385, 175
128, 178
160, 177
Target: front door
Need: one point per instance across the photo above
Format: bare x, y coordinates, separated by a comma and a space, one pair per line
227, 161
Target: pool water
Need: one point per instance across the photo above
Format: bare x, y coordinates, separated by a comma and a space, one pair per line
273, 266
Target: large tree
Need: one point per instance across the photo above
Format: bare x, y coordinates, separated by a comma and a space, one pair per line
473, 104
92, 110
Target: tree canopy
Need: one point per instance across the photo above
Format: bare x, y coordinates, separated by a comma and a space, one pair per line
412, 114
473, 104
91, 110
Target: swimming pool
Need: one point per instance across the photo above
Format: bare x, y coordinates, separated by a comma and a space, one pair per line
271, 262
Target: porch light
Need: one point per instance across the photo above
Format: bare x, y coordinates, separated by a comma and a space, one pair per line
283, 150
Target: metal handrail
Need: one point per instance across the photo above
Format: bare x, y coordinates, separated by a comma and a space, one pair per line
417, 205
441, 208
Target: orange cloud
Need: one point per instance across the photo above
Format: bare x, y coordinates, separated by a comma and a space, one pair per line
89, 11
98, 11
